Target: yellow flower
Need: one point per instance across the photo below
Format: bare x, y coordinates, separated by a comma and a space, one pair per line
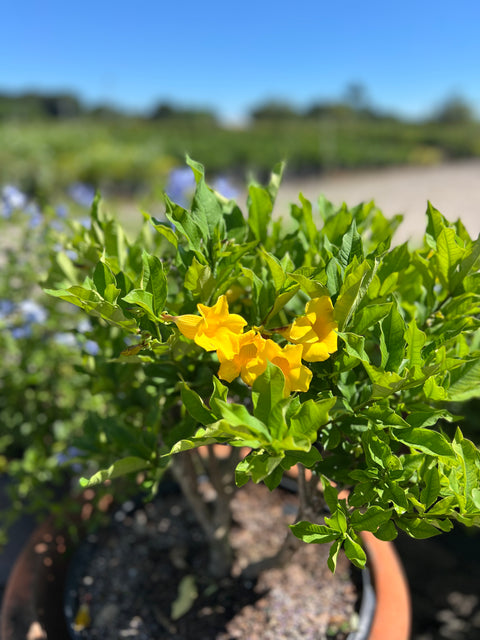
315, 331
289, 359
213, 328
252, 356
247, 361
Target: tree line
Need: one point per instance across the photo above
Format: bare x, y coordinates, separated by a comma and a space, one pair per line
354, 106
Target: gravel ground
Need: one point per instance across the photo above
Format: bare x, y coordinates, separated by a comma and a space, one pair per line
134, 599
453, 188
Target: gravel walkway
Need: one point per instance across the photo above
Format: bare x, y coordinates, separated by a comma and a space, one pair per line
453, 188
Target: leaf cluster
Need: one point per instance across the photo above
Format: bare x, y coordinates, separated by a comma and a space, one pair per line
371, 421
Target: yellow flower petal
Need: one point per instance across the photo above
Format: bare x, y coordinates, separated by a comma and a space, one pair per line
213, 328
315, 331
188, 325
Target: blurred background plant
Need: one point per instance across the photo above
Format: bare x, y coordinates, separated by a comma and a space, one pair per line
46, 149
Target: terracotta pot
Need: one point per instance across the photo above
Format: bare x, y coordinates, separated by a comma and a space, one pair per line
33, 602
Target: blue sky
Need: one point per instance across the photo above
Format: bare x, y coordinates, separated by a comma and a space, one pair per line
231, 56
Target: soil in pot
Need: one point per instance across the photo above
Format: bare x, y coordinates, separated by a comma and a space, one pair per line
154, 561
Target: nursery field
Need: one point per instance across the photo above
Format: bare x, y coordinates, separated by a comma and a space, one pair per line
130, 156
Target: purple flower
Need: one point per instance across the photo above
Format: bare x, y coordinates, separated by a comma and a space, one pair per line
85, 222
91, 347
65, 339
65, 457
61, 210
24, 331
12, 198
83, 194
73, 255
57, 225
84, 325
225, 187
180, 185
6, 308
36, 217
32, 312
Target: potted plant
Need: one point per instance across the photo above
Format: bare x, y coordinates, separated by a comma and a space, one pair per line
320, 351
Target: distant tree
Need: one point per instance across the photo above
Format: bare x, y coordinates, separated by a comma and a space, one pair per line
38, 105
63, 105
163, 110
455, 110
329, 110
105, 112
167, 111
274, 110
356, 97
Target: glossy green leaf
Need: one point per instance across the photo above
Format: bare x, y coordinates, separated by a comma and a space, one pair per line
195, 405
119, 468
426, 440
392, 342
313, 533
354, 552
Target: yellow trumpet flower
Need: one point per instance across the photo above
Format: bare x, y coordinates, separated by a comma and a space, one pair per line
315, 331
214, 328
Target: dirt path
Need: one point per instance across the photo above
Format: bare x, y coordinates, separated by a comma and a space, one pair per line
453, 188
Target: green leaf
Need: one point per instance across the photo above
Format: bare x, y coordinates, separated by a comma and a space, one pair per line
66, 266
467, 471
206, 207
384, 382
92, 302
144, 300
119, 468
237, 415
199, 280
351, 293
282, 298
258, 466
426, 440
195, 405
154, 281
310, 416
330, 494
313, 533
418, 528
465, 381
276, 269
115, 243
448, 255
165, 230
267, 392
260, 208
333, 555
187, 594
351, 246
466, 265
304, 216
436, 224
338, 521
392, 343
370, 520
220, 392
368, 316
354, 552
415, 339
386, 531
431, 490
194, 230
312, 287
337, 225
102, 277
354, 345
